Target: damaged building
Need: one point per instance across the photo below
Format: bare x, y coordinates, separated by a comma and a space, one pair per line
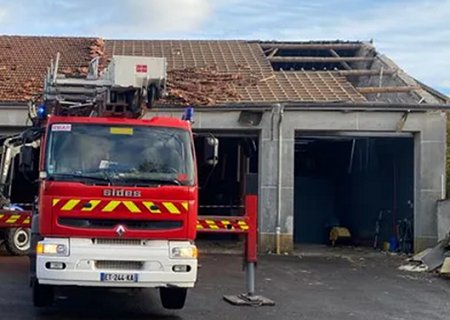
336, 132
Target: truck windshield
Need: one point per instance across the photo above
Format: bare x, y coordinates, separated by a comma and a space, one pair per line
120, 154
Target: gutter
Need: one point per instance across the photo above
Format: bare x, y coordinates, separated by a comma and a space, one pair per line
314, 106
13, 105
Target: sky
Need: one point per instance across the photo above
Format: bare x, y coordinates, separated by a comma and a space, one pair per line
413, 33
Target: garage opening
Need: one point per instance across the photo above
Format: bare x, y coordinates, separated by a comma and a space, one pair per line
362, 183
222, 186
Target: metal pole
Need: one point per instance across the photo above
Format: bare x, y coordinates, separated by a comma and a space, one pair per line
250, 277
352, 153
56, 66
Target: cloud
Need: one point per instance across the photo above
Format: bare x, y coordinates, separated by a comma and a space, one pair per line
155, 18
113, 19
414, 33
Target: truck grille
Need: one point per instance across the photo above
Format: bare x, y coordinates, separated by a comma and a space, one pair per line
129, 224
118, 242
119, 265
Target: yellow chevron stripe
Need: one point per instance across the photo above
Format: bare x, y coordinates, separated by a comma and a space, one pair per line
212, 224
243, 225
70, 205
1, 216
148, 205
13, 218
27, 220
185, 205
226, 223
111, 206
94, 203
131, 206
55, 201
171, 208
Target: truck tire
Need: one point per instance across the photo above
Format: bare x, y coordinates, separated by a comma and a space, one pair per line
43, 295
173, 298
17, 241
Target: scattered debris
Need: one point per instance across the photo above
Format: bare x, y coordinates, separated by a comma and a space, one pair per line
435, 257
418, 257
431, 259
404, 276
413, 267
205, 86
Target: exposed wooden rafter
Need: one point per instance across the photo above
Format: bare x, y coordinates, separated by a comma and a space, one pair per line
343, 63
312, 46
319, 59
363, 72
370, 90
273, 53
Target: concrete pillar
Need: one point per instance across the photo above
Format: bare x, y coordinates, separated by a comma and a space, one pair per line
430, 159
268, 205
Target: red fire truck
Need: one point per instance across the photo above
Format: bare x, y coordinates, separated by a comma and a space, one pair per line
117, 202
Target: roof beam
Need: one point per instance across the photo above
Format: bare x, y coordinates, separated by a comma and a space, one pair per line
273, 53
343, 63
312, 46
363, 72
370, 90
319, 59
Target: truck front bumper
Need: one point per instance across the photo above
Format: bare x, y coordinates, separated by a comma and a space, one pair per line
126, 263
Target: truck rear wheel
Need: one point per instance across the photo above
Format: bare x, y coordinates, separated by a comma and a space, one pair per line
173, 298
17, 241
43, 295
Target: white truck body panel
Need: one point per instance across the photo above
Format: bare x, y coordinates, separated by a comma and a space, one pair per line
133, 71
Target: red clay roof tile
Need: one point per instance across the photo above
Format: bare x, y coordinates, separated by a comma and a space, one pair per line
236, 71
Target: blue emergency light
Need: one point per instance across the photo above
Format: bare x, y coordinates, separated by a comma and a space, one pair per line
188, 114
42, 112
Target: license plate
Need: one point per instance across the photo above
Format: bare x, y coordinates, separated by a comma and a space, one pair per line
119, 277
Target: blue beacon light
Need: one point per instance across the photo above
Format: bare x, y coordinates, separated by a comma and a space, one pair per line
188, 114
42, 112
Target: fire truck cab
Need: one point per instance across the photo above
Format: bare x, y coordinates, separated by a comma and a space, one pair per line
117, 202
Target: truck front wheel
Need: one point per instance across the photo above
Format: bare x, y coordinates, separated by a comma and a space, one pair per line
43, 295
173, 298
17, 241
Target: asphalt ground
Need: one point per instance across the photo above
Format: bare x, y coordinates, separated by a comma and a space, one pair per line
315, 286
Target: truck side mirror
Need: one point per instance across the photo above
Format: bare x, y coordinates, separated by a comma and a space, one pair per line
211, 150
26, 160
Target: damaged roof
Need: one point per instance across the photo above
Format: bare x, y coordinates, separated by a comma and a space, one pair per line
224, 71
24, 62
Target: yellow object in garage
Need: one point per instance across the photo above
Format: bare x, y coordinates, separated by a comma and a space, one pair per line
337, 233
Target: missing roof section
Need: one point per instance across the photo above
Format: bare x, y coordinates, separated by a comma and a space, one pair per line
315, 56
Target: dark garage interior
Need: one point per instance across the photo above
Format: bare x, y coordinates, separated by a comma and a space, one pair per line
356, 182
222, 186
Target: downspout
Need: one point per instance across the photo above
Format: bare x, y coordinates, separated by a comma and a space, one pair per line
280, 156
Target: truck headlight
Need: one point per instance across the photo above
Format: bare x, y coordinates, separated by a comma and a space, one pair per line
54, 249
186, 252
